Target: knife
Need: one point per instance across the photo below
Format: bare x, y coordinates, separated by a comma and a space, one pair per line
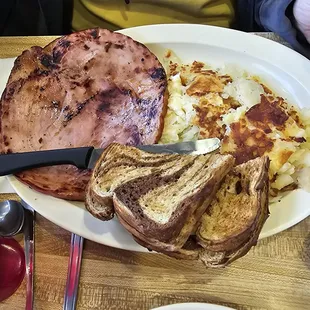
86, 157
74, 267
29, 252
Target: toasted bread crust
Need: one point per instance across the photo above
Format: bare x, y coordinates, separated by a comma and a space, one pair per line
187, 252
99, 206
151, 243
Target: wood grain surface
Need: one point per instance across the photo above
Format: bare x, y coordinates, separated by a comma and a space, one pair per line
274, 275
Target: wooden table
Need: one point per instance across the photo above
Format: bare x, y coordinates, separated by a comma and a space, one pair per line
274, 275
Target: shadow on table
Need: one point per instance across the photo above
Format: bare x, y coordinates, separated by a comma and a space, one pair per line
113, 231
156, 278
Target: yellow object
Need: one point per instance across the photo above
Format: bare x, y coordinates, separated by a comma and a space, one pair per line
116, 14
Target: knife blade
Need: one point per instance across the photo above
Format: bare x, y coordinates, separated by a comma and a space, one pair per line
198, 147
86, 157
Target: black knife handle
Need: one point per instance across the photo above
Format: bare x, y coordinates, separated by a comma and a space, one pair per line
17, 162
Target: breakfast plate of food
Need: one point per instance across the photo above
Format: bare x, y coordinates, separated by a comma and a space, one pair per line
164, 84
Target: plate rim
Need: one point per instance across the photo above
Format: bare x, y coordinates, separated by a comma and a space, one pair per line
219, 32
193, 306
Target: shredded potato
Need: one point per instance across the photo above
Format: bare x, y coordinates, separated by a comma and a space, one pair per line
207, 102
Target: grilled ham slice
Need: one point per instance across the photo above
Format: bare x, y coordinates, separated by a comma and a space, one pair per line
89, 88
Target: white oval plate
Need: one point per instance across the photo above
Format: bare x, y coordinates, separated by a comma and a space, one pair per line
193, 306
284, 70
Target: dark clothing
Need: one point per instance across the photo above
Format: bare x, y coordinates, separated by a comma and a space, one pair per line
35, 17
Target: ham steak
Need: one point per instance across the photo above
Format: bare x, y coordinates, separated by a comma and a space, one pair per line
89, 88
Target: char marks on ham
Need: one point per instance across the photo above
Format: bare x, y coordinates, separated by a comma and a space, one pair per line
89, 88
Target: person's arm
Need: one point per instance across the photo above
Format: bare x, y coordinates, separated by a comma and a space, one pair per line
278, 16
301, 11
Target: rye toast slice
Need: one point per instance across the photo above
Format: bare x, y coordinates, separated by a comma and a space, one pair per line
233, 222
159, 197
119, 164
163, 208
229, 245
